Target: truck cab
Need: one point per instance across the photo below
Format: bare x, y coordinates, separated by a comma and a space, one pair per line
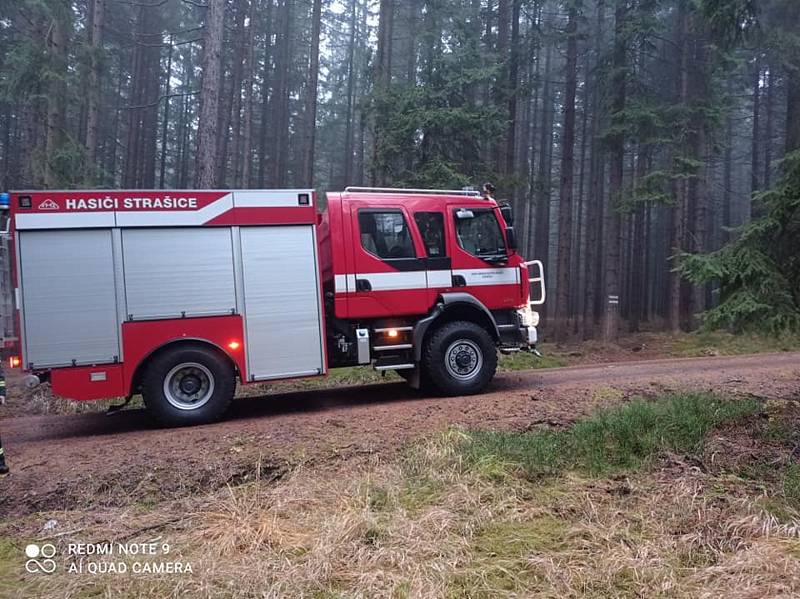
410, 262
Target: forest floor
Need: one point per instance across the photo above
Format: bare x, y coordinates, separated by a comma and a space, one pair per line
377, 491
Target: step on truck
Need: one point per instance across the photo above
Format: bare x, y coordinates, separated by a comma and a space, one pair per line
179, 295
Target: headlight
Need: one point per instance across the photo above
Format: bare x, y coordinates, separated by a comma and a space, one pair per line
527, 317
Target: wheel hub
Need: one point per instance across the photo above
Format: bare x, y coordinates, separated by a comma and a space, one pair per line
463, 359
189, 386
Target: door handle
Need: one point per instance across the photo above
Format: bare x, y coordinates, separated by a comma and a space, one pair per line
459, 281
363, 285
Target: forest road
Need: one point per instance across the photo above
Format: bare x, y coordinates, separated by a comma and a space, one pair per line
82, 460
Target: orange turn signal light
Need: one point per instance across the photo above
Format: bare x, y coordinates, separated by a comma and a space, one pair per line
14, 362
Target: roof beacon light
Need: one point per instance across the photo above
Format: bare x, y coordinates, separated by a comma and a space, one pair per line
5, 201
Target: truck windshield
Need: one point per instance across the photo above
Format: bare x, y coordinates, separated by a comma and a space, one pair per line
480, 235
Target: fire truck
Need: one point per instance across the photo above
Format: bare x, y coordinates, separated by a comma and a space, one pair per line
179, 295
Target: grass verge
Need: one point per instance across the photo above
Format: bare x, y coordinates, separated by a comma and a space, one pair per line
721, 343
617, 438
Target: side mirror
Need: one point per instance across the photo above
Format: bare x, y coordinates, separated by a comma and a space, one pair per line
508, 214
511, 238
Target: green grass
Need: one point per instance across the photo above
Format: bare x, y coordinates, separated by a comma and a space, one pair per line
528, 361
500, 557
12, 560
721, 343
791, 485
614, 439
516, 539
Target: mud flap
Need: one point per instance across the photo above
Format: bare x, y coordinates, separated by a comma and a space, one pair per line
414, 379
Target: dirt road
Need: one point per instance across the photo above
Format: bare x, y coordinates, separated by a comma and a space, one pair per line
65, 462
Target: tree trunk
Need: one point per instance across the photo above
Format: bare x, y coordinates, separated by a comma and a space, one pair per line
95, 73
280, 114
136, 99
770, 83
311, 97
266, 100
525, 161
502, 86
531, 201
351, 83
111, 153
567, 179
209, 95
230, 103
57, 92
578, 291
793, 110
542, 218
727, 177
755, 148
237, 101
677, 229
698, 186
513, 82
638, 285
616, 149
165, 125
594, 207
152, 68
382, 77
247, 125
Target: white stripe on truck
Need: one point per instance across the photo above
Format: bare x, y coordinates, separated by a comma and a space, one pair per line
396, 281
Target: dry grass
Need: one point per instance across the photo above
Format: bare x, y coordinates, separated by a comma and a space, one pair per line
435, 524
25, 402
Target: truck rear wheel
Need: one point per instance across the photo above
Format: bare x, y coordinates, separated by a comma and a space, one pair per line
188, 385
460, 358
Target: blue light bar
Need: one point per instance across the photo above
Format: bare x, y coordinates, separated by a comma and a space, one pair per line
5, 201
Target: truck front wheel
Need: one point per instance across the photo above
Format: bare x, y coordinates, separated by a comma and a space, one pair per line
188, 385
460, 358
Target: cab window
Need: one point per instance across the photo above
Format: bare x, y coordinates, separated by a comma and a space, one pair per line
385, 234
479, 232
431, 228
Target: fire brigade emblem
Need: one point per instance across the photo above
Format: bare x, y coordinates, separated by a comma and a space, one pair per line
48, 205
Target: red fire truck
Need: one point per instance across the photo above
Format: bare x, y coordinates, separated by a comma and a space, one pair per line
178, 294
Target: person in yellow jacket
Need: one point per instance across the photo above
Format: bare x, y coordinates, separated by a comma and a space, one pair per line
3, 467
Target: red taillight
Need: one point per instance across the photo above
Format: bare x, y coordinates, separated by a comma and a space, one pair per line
14, 362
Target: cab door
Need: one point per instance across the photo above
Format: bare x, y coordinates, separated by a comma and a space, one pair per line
438, 263
388, 264
480, 259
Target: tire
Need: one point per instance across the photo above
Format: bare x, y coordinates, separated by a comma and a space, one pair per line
188, 385
460, 358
